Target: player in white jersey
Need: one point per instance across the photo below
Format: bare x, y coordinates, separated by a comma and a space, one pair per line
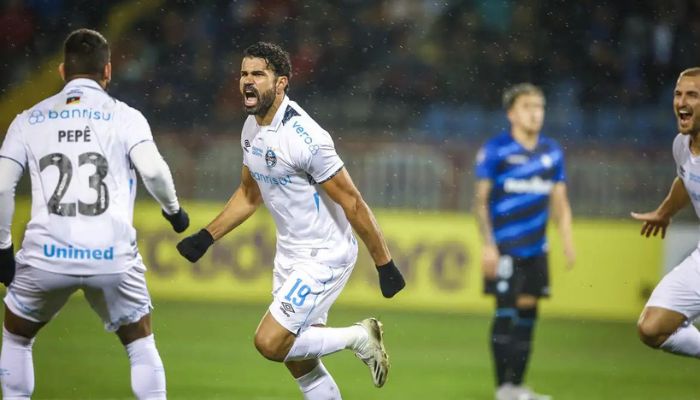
80, 148
291, 165
666, 321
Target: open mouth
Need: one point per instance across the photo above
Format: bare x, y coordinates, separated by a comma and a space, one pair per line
685, 114
250, 96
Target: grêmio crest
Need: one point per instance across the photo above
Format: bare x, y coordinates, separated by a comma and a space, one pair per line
270, 158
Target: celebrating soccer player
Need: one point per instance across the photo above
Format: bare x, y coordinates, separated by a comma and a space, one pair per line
519, 173
666, 321
291, 165
80, 148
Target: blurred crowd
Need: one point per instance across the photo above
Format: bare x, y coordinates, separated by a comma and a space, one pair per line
33, 30
387, 64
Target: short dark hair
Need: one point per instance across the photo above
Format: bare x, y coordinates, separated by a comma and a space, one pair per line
694, 71
85, 52
276, 58
511, 94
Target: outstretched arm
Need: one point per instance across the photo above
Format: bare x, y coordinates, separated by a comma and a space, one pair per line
156, 175
342, 190
158, 180
658, 220
561, 213
242, 204
245, 200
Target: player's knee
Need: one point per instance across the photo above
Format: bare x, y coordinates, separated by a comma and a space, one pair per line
135, 331
270, 348
526, 302
20, 326
650, 334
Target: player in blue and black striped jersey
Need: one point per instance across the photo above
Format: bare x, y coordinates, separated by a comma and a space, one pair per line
520, 176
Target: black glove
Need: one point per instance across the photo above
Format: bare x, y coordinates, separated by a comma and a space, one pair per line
7, 265
390, 279
180, 220
193, 247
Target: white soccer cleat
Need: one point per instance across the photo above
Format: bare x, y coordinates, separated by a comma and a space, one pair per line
373, 353
506, 392
525, 393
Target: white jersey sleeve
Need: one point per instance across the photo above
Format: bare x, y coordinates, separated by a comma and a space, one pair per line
10, 173
678, 144
247, 135
139, 131
13, 158
156, 175
13, 146
313, 151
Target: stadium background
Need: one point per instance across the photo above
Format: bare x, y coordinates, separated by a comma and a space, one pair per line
409, 89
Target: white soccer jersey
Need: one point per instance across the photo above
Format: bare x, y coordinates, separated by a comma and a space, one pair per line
688, 169
289, 159
76, 146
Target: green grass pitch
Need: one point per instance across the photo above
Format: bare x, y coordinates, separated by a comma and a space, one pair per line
208, 354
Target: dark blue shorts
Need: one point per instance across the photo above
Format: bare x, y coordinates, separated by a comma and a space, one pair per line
518, 276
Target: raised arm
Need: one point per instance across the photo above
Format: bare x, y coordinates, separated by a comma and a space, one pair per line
561, 214
658, 220
342, 190
242, 204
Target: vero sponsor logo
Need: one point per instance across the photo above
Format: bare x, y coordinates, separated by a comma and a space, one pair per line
304, 135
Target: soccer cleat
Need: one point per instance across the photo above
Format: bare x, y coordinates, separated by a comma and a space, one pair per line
525, 393
506, 392
373, 353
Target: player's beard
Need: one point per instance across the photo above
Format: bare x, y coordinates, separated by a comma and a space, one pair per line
263, 105
691, 127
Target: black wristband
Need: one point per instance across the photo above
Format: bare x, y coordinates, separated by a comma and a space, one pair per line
389, 265
205, 237
180, 221
390, 279
193, 247
7, 265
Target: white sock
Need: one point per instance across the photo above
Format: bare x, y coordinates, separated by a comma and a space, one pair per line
16, 366
319, 385
316, 342
685, 341
147, 373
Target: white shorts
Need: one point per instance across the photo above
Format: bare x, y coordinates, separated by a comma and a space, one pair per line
304, 292
679, 290
119, 299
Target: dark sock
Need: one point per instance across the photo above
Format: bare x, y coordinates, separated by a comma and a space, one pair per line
523, 328
501, 340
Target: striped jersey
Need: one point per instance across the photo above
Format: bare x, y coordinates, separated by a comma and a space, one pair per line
522, 181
